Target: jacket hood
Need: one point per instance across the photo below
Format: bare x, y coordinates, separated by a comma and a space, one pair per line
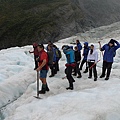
86, 43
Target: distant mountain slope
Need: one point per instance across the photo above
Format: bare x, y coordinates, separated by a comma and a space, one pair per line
25, 21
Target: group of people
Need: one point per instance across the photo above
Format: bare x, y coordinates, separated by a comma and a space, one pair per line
45, 59
50, 57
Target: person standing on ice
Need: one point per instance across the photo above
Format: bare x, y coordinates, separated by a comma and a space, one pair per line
43, 68
70, 56
77, 60
85, 54
109, 53
35, 51
79, 45
52, 58
92, 61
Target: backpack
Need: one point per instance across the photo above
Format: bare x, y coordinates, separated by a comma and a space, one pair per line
58, 53
114, 54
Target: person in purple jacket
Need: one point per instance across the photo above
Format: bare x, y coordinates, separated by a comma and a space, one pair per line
109, 54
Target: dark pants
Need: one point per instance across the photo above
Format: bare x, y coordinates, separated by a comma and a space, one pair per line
77, 70
93, 68
36, 62
52, 69
82, 63
68, 72
106, 66
57, 65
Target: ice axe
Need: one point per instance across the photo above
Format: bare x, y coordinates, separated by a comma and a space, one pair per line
37, 86
100, 47
94, 64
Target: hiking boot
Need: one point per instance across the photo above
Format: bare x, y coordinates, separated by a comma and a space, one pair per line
43, 89
69, 88
107, 78
73, 80
95, 79
74, 74
51, 76
79, 76
42, 92
47, 89
86, 70
89, 77
102, 76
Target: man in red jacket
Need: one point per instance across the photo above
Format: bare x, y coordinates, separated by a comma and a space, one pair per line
35, 51
43, 68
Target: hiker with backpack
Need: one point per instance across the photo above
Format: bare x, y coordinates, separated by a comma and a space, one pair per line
109, 54
70, 56
77, 60
43, 68
35, 51
92, 61
51, 59
79, 45
58, 56
85, 54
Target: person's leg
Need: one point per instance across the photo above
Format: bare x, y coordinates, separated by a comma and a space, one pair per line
36, 62
82, 63
57, 65
109, 66
95, 73
55, 68
86, 70
70, 78
43, 75
90, 70
75, 70
78, 70
52, 71
104, 67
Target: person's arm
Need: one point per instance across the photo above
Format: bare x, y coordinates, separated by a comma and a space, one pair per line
31, 51
42, 65
96, 57
118, 45
103, 48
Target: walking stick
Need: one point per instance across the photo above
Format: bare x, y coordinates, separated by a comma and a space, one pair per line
94, 64
37, 86
100, 47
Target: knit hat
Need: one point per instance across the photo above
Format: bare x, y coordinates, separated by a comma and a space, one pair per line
112, 41
41, 46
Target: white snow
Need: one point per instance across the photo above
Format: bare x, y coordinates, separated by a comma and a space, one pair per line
89, 100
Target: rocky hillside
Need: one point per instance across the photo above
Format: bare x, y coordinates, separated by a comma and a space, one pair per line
23, 22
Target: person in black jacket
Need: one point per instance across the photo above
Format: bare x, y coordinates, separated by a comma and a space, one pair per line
85, 54
50, 53
77, 60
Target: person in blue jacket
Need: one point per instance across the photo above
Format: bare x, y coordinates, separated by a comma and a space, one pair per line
85, 54
70, 56
79, 45
109, 54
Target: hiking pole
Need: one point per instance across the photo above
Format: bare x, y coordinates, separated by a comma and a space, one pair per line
37, 86
94, 64
100, 47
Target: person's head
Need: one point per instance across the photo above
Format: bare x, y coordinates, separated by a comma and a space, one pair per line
77, 41
49, 42
40, 47
85, 44
76, 48
49, 47
111, 43
65, 47
35, 45
92, 47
